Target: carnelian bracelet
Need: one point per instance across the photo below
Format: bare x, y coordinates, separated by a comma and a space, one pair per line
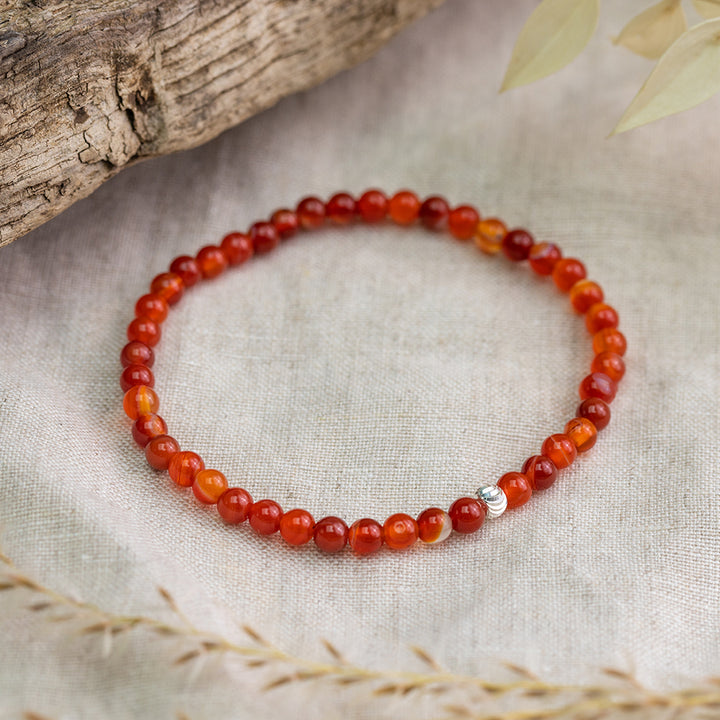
400, 531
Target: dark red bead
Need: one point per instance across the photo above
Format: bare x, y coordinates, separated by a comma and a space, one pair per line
136, 375
540, 471
187, 269
286, 223
311, 213
598, 385
597, 411
463, 222
467, 515
516, 245
341, 208
212, 261
234, 505
146, 427
160, 450
137, 353
330, 534
237, 247
265, 516
373, 206
264, 237
434, 213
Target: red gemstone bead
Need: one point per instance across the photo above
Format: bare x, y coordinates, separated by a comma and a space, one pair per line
187, 269
582, 432
234, 505
209, 486
331, 534
543, 257
311, 213
152, 306
567, 272
540, 471
265, 516
286, 223
144, 330
341, 208
560, 449
365, 536
463, 222
264, 237
434, 525
609, 363
609, 340
147, 427
400, 531
140, 400
296, 527
601, 316
136, 375
184, 467
584, 294
212, 261
597, 411
598, 385
160, 450
237, 248
467, 515
373, 206
516, 245
404, 207
516, 487
434, 213
137, 353
168, 286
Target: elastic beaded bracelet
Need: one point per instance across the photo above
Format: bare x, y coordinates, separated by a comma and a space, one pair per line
400, 531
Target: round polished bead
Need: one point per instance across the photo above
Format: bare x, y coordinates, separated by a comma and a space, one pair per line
144, 330
493, 498
365, 536
489, 235
264, 237
297, 526
597, 411
212, 261
567, 272
467, 515
237, 247
516, 245
146, 427
463, 222
136, 375
582, 432
373, 206
560, 449
140, 400
234, 505
330, 534
187, 269
160, 450
434, 213
540, 471
137, 353
184, 467
168, 286
311, 213
543, 257
600, 316
286, 223
209, 486
400, 531
341, 209
516, 487
404, 207
152, 306
265, 516
584, 294
609, 340
609, 363
598, 385
434, 525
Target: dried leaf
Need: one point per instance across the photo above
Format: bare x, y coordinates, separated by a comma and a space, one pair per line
390, 689
555, 33
423, 655
40, 606
686, 75
278, 682
254, 635
96, 628
333, 651
654, 30
7, 586
255, 663
707, 8
191, 655
520, 671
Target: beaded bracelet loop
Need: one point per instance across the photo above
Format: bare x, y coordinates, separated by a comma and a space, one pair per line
399, 531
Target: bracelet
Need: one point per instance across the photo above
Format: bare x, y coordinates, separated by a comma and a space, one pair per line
400, 531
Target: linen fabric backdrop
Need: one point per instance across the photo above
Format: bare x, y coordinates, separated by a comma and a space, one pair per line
371, 370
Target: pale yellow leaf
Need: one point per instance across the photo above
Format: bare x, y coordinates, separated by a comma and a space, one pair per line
555, 33
654, 30
707, 8
686, 75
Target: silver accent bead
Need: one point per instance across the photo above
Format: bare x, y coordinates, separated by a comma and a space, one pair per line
493, 498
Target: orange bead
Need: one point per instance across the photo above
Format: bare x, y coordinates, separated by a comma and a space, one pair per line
560, 449
365, 536
212, 261
144, 330
609, 363
434, 525
160, 450
373, 206
463, 221
311, 213
153, 307
609, 340
238, 247
567, 272
584, 294
543, 257
209, 485
168, 286
489, 235
184, 466
516, 487
234, 505
297, 526
147, 427
140, 400
404, 207
400, 531
600, 316
582, 432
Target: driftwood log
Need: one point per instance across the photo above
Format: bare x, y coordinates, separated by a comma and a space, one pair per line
88, 88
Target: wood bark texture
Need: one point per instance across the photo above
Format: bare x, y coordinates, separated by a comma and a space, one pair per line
90, 87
